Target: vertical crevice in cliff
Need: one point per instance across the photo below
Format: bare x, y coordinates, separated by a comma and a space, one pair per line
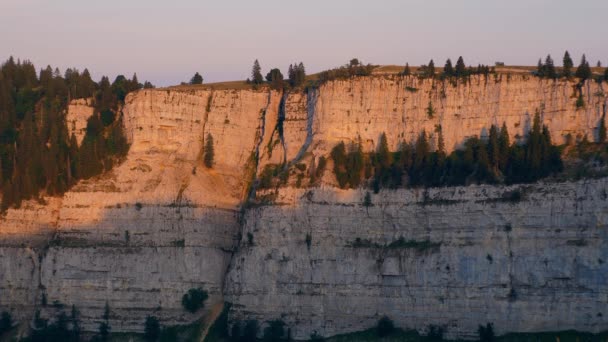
280, 121
255, 157
312, 95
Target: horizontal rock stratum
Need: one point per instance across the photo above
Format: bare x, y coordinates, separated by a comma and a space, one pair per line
139, 236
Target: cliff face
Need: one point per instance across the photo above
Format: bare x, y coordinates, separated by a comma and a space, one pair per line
321, 261
160, 223
138, 237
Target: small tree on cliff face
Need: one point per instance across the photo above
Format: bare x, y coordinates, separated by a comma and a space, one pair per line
209, 153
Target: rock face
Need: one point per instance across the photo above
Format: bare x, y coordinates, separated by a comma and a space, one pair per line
160, 223
78, 113
321, 261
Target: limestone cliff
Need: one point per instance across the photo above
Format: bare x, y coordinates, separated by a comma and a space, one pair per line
454, 257
160, 223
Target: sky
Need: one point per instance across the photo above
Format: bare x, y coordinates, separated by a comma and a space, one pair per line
167, 41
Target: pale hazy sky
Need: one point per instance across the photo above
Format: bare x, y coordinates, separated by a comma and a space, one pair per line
167, 41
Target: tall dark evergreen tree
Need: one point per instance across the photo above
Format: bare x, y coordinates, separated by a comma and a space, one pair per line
584, 70
406, 71
431, 69
448, 69
503, 147
196, 79
493, 147
550, 67
540, 68
602, 130
568, 65
256, 73
461, 68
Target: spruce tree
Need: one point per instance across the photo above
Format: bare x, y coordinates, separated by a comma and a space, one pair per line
256, 73
493, 147
300, 74
431, 69
602, 130
406, 71
291, 75
540, 68
196, 79
503, 147
549, 67
584, 70
448, 69
209, 151
461, 68
568, 65
384, 155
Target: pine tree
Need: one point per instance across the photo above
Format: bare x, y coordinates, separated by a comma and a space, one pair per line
602, 130
440, 142
151, 329
540, 68
383, 154
448, 69
584, 70
256, 73
300, 74
568, 65
550, 67
503, 147
431, 69
493, 147
209, 151
461, 68
196, 79
291, 75
406, 71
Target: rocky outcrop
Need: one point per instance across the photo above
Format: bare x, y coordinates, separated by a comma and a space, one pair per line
78, 112
139, 236
526, 258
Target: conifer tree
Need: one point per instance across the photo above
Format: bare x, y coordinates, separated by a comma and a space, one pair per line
549, 67
196, 79
602, 130
493, 147
568, 65
291, 75
540, 68
431, 69
461, 68
300, 74
256, 73
406, 71
209, 151
584, 70
448, 69
503, 147
384, 156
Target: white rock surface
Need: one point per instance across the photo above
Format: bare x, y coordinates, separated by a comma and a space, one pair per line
160, 223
